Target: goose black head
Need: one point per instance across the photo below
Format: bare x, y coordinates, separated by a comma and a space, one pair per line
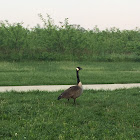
78, 68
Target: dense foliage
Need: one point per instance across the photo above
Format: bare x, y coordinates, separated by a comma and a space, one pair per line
67, 42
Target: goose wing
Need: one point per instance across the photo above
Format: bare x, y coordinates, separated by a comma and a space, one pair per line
72, 92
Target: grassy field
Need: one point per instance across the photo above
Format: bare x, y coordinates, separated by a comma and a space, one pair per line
101, 115
54, 73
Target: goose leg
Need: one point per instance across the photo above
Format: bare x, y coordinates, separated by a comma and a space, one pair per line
74, 101
68, 99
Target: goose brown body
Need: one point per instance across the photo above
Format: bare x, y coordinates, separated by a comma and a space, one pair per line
74, 91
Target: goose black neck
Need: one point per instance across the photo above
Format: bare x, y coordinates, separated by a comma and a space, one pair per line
78, 79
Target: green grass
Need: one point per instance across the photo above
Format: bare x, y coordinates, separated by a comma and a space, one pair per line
99, 115
54, 73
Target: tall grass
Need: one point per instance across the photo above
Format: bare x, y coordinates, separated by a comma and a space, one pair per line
67, 42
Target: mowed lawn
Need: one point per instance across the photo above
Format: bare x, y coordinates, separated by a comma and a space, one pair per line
55, 73
97, 115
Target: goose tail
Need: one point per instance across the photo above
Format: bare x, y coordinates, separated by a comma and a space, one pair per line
59, 97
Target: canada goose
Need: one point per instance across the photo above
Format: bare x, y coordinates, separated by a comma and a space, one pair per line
74, 91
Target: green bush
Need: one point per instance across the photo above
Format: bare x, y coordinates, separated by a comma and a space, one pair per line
67, 42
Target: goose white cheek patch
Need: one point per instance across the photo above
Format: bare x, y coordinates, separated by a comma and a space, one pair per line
77, 69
